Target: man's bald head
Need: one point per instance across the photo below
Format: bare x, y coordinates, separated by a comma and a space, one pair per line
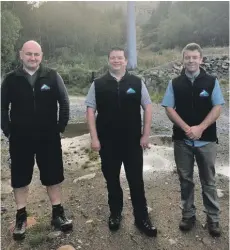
31, 55
31, 44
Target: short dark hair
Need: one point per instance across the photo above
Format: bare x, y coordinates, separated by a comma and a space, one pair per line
192, 47
118, 49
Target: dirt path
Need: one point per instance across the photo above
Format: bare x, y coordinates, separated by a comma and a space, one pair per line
86, 203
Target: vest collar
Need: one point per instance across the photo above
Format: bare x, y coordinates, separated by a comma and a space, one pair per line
42, 71
202, 73
109, 77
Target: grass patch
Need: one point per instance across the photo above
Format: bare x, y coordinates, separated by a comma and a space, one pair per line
156, 97
37, 239
224, 81
149, 59
37, 235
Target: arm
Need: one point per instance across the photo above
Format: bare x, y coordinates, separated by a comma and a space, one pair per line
91, 119
217, 102
147, 107
176, 119
169, 103
212, 116
91, 123
63, 100
5, 102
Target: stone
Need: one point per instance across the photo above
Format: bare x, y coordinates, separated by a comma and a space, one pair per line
66, 247
206, 241
54, 235
31, 221
85, 177
149, 209
89, 222
172, 242
220, 193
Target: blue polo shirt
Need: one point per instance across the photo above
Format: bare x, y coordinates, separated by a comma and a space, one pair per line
169, 101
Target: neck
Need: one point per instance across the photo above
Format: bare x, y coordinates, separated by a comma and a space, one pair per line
192, 73
30, 71
117, 74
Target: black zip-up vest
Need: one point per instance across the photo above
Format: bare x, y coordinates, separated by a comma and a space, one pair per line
118, 107
33, 110
193, 103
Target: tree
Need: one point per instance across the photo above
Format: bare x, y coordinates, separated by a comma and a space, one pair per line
10, 33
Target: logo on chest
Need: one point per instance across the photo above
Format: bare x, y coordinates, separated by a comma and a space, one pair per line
45, 87
204, 93
130, 91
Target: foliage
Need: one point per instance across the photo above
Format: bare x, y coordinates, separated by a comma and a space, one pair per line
10, 33
175, 24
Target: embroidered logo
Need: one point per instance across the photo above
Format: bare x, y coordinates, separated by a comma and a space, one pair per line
204, 93
130, 91
45, 87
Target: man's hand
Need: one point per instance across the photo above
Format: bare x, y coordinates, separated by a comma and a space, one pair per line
95, 144
195, 132
144, 142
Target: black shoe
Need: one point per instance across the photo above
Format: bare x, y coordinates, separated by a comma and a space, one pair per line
213, 228
20, 227
60, 222
146, 227
187, 224
114, 221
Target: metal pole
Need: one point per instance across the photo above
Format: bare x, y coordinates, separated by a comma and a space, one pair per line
131, 36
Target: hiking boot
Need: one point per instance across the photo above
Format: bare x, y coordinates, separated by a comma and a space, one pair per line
114, 221
146, 227
60, 222
213, 228
20, 227
187, 224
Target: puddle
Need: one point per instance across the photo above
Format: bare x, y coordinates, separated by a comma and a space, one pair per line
160, 158
76, 129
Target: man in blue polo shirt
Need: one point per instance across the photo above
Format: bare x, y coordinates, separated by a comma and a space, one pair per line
193, 103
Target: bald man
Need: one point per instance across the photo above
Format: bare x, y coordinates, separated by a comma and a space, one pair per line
33, 93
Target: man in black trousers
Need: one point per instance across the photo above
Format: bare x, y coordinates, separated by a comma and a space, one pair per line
117, 97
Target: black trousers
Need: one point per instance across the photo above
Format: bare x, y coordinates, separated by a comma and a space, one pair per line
112, 154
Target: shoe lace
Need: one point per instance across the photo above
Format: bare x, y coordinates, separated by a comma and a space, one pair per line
147, 223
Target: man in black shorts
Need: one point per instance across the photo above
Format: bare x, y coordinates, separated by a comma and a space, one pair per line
33, 93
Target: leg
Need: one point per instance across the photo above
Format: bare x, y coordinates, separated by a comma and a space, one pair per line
22, 162
133, 163
184, 158
21, 195
54, 193
49, 160
205, 157
111, 166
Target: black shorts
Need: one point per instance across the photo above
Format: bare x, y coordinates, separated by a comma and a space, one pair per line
48, 152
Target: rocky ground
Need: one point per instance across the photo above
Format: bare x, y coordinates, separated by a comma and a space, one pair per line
85, 197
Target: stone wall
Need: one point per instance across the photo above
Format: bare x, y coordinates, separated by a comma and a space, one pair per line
156, 79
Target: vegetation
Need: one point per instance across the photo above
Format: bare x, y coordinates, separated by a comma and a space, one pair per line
76, 36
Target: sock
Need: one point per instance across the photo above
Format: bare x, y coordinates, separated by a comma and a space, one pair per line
56, 209
21, 211
21, 214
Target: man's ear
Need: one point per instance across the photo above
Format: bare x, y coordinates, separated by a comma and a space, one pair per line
20, 54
